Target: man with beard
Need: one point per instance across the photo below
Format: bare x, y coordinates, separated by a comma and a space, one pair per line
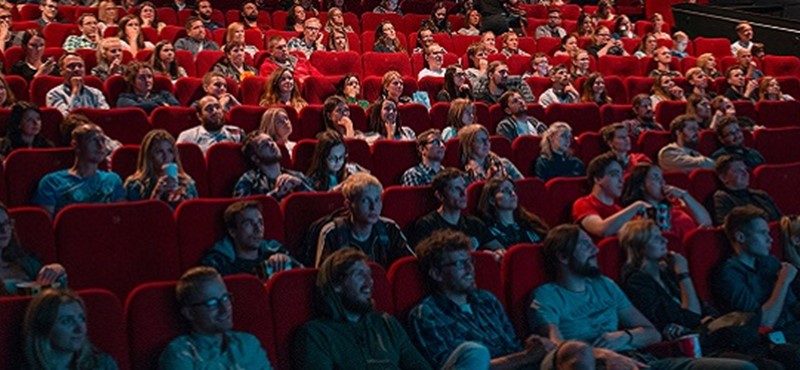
680, 155
350, 334
84, 182
74, 93
496, 82
598, 213
430, 148
582, 305
363, 227
243, 250
204, 11
212, 127
461, 327
730, 135
562, 91
195, 40
735, 192
644, 120
249, 16
517, 122
279, 57
208, 307
266, 175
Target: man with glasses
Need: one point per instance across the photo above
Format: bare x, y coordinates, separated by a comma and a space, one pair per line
49, 10
90, 34
553, 27
350, 334
497, 81
430, 148
212, 127
363, 227
74, 93
729, 133
461, 327
311, 40
8, 37
211, 343
279, 57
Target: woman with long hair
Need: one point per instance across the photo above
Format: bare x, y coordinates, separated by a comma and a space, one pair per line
106, 15
708, 63
585, 25
131, 35
336, 21
159, 172
109, 58
456, 85
664, 88
55, 334
770, 89
438, 22
568, 46
235, 33
658, 27
24, 129
472, 24
275, 122
392, 86
623, 28
555, 158
234, 65
337, 41
295, 19
18, 265
594, 90
647, 47
139, 77
349, 88
508, 222
329, 166
477, 158
460, 114
149, 16
581, 61
281, 89
336, 117
386, 40
384, 123
679, 211
32, 65
164, 62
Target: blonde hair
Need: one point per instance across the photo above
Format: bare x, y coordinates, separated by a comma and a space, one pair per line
231, 30
633, 238
102, 47
356, 184
546, 148
268, 121
466, 136
272, 90
145, 171
456, 111
790, 228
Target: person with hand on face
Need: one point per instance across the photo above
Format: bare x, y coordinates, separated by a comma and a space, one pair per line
644, 119
555, 158
243, 249
311, 39
204, 301
562, 91
497, 81
32, 65
163, 61
456, 85
195, 40
89, 37
266, 175
739, 87
336, 117
131, 35
477, 62
729, 133
73, 93
424, 39
153, 179
477, 158
204, 11
384, 123
603, 44
744, 58
349, 333
516, 121
215, 84
337, 41
212, 128
664, 88
9, 37
434, 59
149, 16
109, 58
430, 149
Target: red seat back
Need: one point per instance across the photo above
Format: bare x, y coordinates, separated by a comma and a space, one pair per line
25, 167
526, 151
318, 88
719, 47
301, 209
330, 63
174, 119
779, 66
779, 180
523, 270
376, 64
128, 125
773, 142
618, 65
777, 113
35, 232
650, 142
394, 158
582, 117
405, 204
227, 162
705, 249
562, 193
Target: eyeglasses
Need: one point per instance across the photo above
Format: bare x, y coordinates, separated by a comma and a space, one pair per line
337, 158
8, 225
436, 142
213, 304
459, 264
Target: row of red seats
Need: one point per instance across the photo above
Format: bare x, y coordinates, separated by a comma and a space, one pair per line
274, 310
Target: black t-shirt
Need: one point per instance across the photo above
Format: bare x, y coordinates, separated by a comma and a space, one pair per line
470, 225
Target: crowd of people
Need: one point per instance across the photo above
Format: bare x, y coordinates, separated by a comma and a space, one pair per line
578, 320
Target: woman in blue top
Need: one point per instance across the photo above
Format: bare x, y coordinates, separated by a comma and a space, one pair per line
152, 179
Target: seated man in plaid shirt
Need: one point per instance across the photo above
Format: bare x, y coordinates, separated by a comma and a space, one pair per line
430, 148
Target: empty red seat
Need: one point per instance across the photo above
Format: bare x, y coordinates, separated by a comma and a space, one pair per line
18, 86
414, 116
206, 59
376, 64
773, 143
291, 294
613, 113
526, 151
638, 85
590, 145
562, 193
651, 142
246, 117
777, 113
190, 89
56, 33
618, 65
582, 117
25, 167
94, 243
719, 47
522, 271
194, 163
253, 90
300, 210
174, 119
128, 125
704, 183
780, 181
779, 66
318, 88
667, 110
370, 20
431, 85
462, 42
35, 232
394, 158
330, 63
705, 249
405, 204
12, 315
123, 160
227, 163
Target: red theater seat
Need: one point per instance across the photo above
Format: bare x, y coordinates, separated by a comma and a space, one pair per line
720, 47
25, 167
780, 181
582, 117
94, 244
246, 117
780, 66
291, 294
371, 86
777, 113
705, 248
562, 193
414, 116
394, 158
56, 33
376, 64
590, 145
337, 63
12, 315
206, 59
318, 88
618, 65
35, 232
773, 143
526, 150
523, 270
227, 163
667, 110
123, 160
613, 113
300, 210
128, 125
651, 142
704, 183
638, 85
174, 119
405, 204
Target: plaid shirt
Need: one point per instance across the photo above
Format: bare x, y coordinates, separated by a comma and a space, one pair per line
78, 42
299, 43
255, 182
419, 175
438, 325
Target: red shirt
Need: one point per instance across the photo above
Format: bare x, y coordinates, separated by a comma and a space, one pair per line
590, 205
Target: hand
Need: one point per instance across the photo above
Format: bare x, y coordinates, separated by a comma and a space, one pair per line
483, 64
46, 68
537, 347
347, 123
752, 85
114, 66
48, 274
76, 82
642, 206
615, 361
279, 262
163, 185
285, 184
787, 272
612, 340
571, 90
498, 254
474, 167
674, 192
678, 263
677, 92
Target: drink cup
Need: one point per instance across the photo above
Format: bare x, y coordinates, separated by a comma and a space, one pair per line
689, 345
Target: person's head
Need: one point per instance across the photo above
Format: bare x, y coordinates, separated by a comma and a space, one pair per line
445, 261
744, 57
474, 142
336, 17
605, 174
204, 10
158, 149
439, 12
163, 53
204, 301
616, 137
707, 62
697, 77
729, 132
790, 232
475, 53
569, 251
662, 86
581, 60
735, 76
7, 97
498, 194
748, 232
345, 275
424, 37
139, 76
10, 247
450, 188
383, 115
595, 84
71, 65
249, 11
386, 31
55, 325
554, 17
758, 50
560, 77
722, 103
337, 40
681, 41
281, 82
658, 22
107, 12
685, 130
540, 64
130, 29
362, 196
474, 18
275, 122
89, 143
643, 107
497, 73
430, 146
349, 87
244, 224
148, 14
460, 114
622, 24
214, 84
602, 35
234, 32
510, 41
769, 88
745, 31
732, 172
234, 52
700, 106
297, 15
210, 113
663, 56
49, 9
311, 28
330, 155
25, 120
333, 110
585, 24
195, 29
87, 23
260, 149
569, 43
512, 103
392, 85
434, 56
643, 242
556, 139
488, 40
33, 44
454, 78
278, 49
109, 49
646, 182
